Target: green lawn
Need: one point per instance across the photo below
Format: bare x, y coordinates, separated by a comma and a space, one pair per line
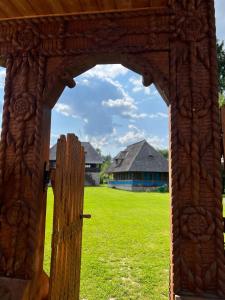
125, 245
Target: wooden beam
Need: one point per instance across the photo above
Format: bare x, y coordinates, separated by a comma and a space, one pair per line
107, 5
22, 7
44, 7
90, 5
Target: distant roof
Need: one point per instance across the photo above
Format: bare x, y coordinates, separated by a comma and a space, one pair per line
91, 155
139, 157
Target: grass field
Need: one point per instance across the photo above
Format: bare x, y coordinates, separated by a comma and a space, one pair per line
125, 245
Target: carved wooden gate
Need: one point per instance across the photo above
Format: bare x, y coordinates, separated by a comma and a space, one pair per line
68, 186
171, 43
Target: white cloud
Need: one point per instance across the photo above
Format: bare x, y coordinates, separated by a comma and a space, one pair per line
134, 115
64, 109
2, 78
139, 87
131, 126
101, 141
97, 142
106, 71
158, 115
135, 134
125, 106
156, 141
130, 137
120, 103
84, 82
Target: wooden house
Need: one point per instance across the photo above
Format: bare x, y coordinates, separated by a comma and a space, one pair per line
139, 168
93, 162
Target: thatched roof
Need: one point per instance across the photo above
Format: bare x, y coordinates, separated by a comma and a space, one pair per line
91, 155
139, 157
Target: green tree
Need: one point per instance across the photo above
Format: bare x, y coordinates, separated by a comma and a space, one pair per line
221, 71
99, 151
164, 152
107, 160
221, 66
104, 176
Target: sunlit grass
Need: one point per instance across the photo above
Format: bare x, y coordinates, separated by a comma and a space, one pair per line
125, 245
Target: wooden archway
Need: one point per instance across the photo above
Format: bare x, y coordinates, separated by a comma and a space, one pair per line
171, 43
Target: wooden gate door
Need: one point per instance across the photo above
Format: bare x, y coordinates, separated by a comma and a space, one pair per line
68, 186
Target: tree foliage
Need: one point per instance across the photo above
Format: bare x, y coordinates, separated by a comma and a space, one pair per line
164, 152
107, 160
221, 66
221, 71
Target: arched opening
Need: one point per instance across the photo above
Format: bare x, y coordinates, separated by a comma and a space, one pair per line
125, 249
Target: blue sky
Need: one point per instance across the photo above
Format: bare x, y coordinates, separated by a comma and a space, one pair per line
111, 108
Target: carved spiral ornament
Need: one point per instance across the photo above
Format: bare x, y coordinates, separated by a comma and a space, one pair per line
197, 224
26, 38
22, 107
190, 27
16, 214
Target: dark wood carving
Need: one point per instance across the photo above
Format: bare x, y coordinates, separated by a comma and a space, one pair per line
174, 47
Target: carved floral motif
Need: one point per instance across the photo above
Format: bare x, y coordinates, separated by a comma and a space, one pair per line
17, 214
22, 107
26, 38
197, 224
191, 27
199, 106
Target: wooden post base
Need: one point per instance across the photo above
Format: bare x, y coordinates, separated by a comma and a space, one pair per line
17, 289
14, 289
185, 297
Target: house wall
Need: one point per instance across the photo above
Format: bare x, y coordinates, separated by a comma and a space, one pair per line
140, 181
130, 187
145, 176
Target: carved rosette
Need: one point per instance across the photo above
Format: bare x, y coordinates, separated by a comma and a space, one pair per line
16, 214
197, 224
199, 106
22, 107
26, 38
190, 26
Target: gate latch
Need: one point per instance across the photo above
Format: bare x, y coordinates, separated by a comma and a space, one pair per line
87, 216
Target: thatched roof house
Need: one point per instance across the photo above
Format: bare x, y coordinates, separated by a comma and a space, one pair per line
139, 167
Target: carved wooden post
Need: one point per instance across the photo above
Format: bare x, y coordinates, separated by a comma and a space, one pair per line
23, 154
198, 264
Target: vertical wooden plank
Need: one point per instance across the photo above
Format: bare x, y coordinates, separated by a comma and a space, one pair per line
81, 197
67, 224
59, 175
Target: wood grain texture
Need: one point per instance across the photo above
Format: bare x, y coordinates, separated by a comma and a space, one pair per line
67, 222
28, 8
